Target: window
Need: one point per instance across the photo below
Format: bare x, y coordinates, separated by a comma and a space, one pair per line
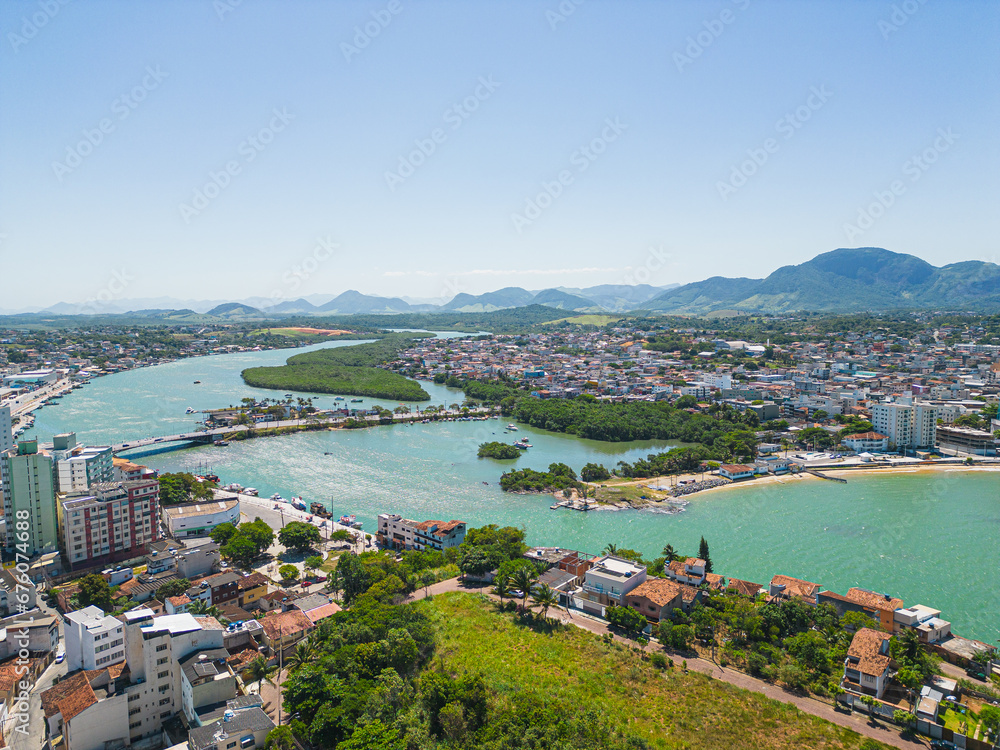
134, 711
135, 725
163, 674
166, 714
165, 701
164, 660
162, 647
164, 688
231, 745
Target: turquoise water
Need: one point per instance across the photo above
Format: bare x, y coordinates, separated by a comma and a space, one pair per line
927, 538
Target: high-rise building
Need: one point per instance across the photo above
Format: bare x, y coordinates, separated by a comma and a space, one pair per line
6, 430
93, 639
29, 502
78, 466
116, 522
906, 425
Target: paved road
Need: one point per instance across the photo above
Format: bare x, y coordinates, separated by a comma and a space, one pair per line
823, 709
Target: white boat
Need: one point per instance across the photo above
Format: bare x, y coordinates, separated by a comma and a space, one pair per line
251, 491
512, 427
276, 498
189, 411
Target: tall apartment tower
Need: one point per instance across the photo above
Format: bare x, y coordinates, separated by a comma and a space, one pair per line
6, 430
29, 498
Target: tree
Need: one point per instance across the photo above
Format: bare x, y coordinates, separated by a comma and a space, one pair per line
835, 691
202, 608
259, 672
524, 578
240, 550
426, 579
299, 536
704, 555
543, 596
903, 717
353, 575
501, 586
313, 563
594, 473
259, 533
223, 533
280, 738
990, 716
341, 535
625, 618
669, 553
302, 655
288, 572
95, 591
610, 549
475, 562
175, 587
373, 736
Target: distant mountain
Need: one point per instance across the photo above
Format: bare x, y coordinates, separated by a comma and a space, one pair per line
232, 310
296, 307
511, 296
565, 301
848, 279
619, 297
352, 302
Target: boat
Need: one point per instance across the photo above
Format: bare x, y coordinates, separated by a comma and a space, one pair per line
234, 487
327, 453
347, 520
520, 446
189, 410
357, 525
339, 398
317, 509
222, 443
276, 498
251, 491
512, 427
197, 382
357, 400
298, 503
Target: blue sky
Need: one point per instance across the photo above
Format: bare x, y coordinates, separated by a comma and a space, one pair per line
699, 172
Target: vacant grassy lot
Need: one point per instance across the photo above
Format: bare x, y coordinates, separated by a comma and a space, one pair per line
576, 668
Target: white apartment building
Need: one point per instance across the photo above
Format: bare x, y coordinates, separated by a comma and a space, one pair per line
610, 578
402, 533
6, 430
93, 639
906, 425
154, 648
78, 466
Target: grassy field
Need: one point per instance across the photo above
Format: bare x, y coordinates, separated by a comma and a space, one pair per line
586, 320
631, 493
576, 668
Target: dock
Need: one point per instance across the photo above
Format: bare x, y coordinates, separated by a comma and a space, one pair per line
575, 504
824, 476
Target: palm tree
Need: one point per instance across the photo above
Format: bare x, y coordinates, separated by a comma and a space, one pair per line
524, 578
501, 586
202, 608
669, 552
611, 549
544, 597
302, 655
260, 672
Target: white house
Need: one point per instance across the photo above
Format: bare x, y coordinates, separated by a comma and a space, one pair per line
93, 639
867, 662
610, 578
736, 471
867, 442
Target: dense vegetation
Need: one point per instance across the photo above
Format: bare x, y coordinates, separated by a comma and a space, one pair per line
558, 477
349, 370
184, 487
496, 449
245, 543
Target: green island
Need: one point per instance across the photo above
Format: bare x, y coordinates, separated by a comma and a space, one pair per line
351, 371
496, 449
558, 477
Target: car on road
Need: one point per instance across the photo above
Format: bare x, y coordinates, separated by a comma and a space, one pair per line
516, 593
942, 745
60, 655
320, 579
306, 583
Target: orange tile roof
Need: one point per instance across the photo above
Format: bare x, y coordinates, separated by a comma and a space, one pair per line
746, 588
70, 696
796, 586
873, 600
658, 590
279, 625
866, 647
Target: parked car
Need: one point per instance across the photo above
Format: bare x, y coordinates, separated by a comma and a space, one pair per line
320, 579
305, 583
60, 656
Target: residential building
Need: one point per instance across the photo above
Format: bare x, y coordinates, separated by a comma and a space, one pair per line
127, 471
655, 599
736, 471
78, 466
745, 588
198, 519
867, 663
18, 594
401, 533
607, 581
785, 587
966, 440
29, 497
690, 571
42, 633
243, 726
216, 590
882, 606
89, 710
925, 620
284, 629
906, 425
206, 681
93, 639
251, 588
867, 442
186, 562
6, 430
117, 522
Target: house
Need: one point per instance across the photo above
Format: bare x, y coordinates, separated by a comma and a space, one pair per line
219, 589
206, 681
87, 710
275, 601
284, 629
925, 620
882, 606
17, 593
690, 571
251, 588
175, 605
607, 581
655, 598
736, 471
745, 588
783, 588
93, 639
397, 532
867, 663
243, 726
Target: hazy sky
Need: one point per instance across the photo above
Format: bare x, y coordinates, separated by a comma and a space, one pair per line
231, 149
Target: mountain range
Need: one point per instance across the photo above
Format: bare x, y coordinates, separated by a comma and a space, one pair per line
843, 280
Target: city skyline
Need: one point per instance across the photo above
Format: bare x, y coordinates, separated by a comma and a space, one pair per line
207, 151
